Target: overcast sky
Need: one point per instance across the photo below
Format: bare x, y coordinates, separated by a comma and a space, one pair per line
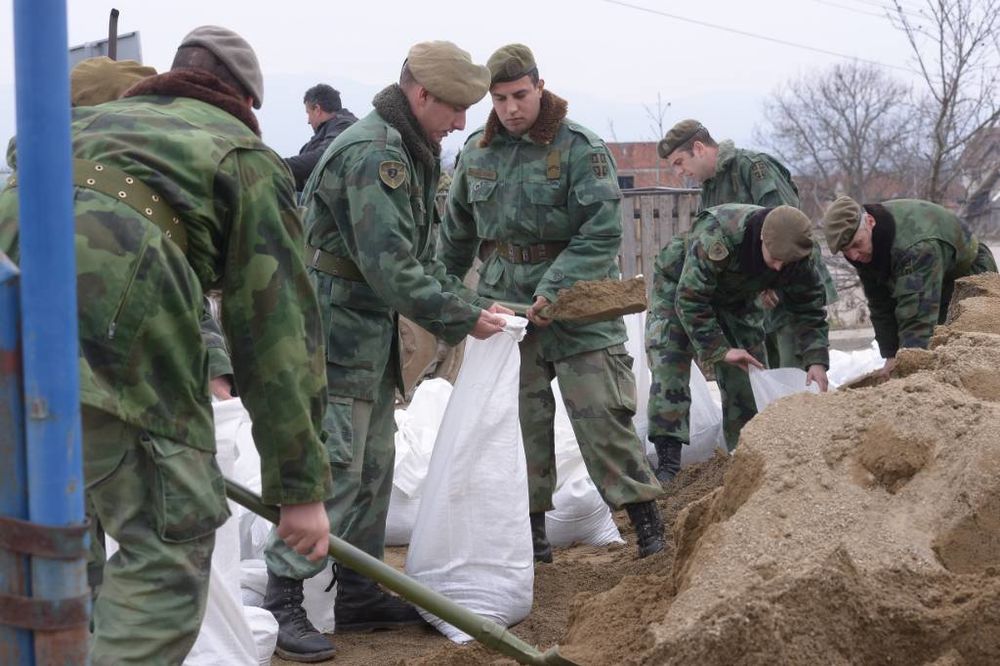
608, 59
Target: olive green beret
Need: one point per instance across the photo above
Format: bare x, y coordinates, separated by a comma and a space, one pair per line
677, 135
235, 53
841, 221
787, 233
97, 80
448, 73
511, 62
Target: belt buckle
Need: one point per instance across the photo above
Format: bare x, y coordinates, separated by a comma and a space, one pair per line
315, 259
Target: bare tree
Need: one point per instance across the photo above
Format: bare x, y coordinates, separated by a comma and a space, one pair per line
656, 117
838, 131
956, 44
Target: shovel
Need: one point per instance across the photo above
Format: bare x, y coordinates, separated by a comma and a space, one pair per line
488, 633
589, 301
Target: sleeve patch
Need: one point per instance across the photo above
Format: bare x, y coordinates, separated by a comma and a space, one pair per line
599, 165
758, 170
392, 173
718, 251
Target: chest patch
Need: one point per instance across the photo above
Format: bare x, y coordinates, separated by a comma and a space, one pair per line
758, 170
599, 165
717, 251
392, 173
485, 174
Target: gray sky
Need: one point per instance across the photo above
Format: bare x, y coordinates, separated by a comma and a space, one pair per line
607, 59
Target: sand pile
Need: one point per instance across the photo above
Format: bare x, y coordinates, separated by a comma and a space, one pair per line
855, 527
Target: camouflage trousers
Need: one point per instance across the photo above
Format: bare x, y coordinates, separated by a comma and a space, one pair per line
670, 355
598, 389
362, 451
161, 501
783, 348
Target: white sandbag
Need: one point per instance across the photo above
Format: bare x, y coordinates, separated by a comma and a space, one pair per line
704, 422
579, 514
226, 635
774, 384
635, 328
472, 538
845, 367
416, 430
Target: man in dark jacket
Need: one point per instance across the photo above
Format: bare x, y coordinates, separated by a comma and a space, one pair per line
328, 119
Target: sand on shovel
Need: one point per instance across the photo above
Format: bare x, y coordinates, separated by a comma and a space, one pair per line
599, 300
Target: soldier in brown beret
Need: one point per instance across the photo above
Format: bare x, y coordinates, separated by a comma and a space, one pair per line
370, 238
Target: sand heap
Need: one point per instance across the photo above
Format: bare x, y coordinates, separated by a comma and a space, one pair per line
854, 527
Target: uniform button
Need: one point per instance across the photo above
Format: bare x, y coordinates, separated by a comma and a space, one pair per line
557, 275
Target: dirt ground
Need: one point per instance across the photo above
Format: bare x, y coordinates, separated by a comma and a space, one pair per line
577, 573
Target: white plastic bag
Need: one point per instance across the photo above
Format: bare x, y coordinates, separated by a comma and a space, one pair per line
771, 385
472, 538
845, 367
704, 422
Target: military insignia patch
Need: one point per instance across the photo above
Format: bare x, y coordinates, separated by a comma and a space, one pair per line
758, 170
485, 174
718, 251
392, 173
599, 165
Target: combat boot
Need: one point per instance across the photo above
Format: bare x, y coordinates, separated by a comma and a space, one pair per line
298, 639
668, 454
539, 542
645, 518
362, 605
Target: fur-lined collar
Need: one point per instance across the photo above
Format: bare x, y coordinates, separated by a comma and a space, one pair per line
199, 85
550, 115
395, 109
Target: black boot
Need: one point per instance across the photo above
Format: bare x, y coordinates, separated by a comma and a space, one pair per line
539, 542
668, 454
298, 639
645, 518
362, 605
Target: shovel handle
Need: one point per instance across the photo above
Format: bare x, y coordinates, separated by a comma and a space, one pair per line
521, 309
488, 633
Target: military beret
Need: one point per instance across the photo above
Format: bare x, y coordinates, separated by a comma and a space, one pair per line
235, 53
677, 135
448, 72
787, 234
511, 62
97, 80
841, 222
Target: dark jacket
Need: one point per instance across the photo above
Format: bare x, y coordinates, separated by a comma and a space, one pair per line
303, 163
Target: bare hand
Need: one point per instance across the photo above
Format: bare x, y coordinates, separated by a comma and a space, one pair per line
817, 373
886, 372
533, 312
221, 387
496, 308
488, 324
743, 359
769, 299
306, 529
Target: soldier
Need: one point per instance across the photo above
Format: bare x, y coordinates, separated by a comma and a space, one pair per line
371, 254
175, 193
704, 305
328, 118
908, 254
540, 192
733, 175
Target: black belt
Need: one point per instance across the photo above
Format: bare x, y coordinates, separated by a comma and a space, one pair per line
538, 253
331, 264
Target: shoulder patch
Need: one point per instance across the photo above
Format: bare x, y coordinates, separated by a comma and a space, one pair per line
718, 251
392, 173
758, 170
599, 165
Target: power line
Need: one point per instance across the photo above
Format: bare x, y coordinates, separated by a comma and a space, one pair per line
849, 9
754, 35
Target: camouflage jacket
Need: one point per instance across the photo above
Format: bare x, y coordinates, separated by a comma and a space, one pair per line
920, 249
142, 354
555, 183
370, 199
721, 272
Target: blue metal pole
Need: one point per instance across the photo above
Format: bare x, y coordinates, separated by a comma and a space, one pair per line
15, 570
48, 306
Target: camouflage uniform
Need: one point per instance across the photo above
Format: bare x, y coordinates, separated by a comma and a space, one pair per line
148, 435
705, 289
371, 208
747, 177
555, 184
920, 250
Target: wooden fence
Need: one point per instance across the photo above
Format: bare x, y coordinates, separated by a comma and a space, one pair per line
650, 218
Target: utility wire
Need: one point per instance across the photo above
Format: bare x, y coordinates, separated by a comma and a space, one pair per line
754, 35
849, 9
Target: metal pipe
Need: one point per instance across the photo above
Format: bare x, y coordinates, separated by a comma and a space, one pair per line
15, 569
48, 307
